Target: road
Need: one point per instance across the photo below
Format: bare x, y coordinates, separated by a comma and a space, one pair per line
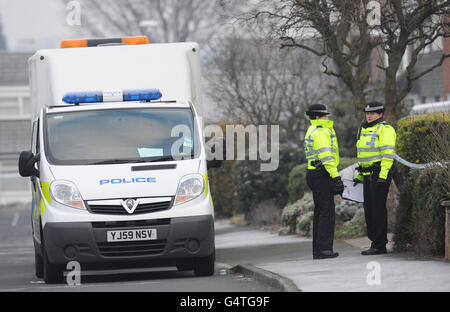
17, 269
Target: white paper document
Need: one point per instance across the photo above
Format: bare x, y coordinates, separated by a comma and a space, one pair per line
354, 193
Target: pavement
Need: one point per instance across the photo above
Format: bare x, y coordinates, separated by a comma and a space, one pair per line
286, 263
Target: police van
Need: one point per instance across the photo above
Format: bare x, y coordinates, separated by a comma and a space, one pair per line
117, 160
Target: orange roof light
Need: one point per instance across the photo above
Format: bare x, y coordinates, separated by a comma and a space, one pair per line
135, 40
78, 43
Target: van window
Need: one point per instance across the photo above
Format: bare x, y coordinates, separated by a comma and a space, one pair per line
119, 136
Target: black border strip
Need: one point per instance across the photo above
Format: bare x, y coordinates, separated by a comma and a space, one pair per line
154, 167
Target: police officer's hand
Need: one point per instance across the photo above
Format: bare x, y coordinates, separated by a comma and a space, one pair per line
356, 181
338, 186
382, 181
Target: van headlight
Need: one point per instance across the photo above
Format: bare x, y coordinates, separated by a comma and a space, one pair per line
66, 193
190, 187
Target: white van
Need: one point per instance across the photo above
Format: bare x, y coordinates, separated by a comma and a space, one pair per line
117, 159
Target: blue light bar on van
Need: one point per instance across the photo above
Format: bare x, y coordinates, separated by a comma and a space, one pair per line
112, 96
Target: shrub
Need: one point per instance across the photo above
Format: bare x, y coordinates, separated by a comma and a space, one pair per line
420, 218
415, 135
221, 185
420, 225
252, 186
356, 227
297, 183
304, 226
292, 212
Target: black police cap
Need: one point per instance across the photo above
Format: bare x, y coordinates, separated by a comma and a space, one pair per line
374, 107
317, 109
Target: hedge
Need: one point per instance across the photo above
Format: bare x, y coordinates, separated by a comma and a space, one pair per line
420, 218
414, 135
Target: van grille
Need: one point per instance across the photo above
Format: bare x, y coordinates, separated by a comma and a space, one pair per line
130, 223
119, 210
127, 249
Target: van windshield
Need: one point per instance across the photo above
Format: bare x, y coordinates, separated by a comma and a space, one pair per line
120, 136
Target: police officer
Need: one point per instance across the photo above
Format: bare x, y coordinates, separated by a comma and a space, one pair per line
375, 148
322, 176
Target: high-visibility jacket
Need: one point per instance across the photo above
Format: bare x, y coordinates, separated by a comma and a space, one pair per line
321, 144
376, 143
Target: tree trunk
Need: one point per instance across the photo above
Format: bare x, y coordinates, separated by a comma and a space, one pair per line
390, 114
359, 101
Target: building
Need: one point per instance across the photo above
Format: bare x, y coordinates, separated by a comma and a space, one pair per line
431, 92
15, 124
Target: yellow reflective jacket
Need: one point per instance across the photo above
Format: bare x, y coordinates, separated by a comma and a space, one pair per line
376, 144
321, 144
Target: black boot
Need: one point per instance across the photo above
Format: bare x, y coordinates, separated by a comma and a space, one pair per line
325, 254
374, 251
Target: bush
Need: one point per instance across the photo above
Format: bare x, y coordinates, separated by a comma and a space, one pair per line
420, 225
221, 185
292, 212
356, 227
297, 179
297, 183
415, 135
420, 218
305, 223
346, 210
252, 186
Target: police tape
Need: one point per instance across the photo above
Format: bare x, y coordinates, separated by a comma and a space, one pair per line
418, 166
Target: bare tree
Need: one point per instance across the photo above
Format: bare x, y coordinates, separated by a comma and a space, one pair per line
160, 20
254, 82
349, 31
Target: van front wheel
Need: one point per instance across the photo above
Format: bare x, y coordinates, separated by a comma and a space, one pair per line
205, 266
53, 273
38, 264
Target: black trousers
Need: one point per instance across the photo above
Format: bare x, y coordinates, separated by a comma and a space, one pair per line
375, 197
322, 187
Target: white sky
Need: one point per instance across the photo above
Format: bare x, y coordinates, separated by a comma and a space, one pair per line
44, 21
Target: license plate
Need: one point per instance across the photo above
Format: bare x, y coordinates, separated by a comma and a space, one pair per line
131, 235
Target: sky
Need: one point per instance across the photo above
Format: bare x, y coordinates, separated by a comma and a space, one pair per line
34, 24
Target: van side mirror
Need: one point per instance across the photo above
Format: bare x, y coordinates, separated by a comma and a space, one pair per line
26, 164
215, 152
